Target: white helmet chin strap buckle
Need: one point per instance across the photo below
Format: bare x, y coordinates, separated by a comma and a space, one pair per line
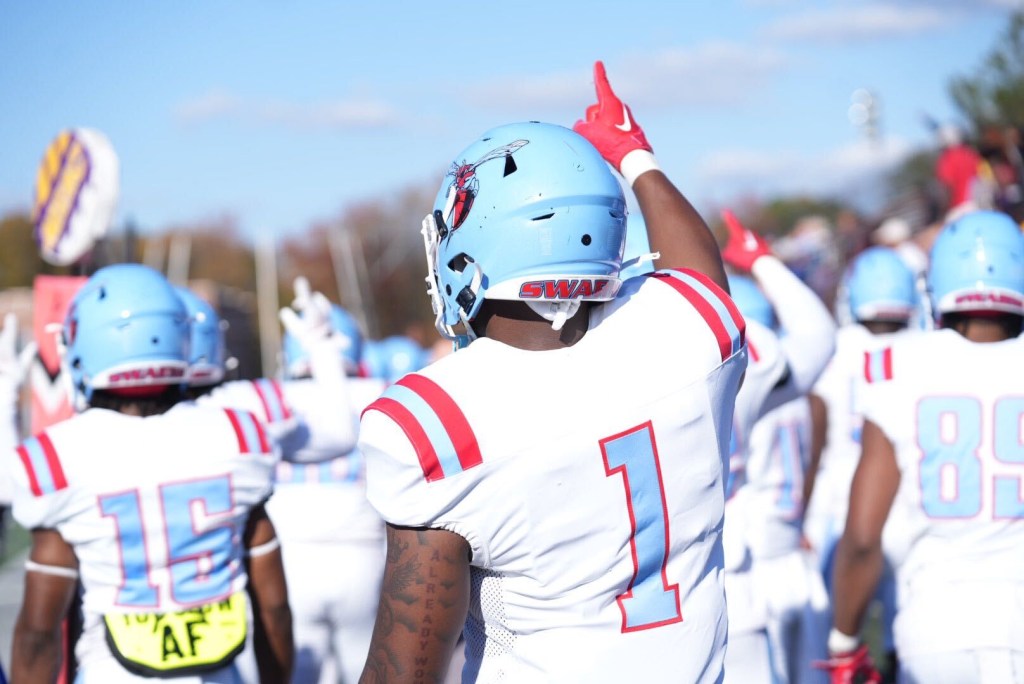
642, 259
557, 313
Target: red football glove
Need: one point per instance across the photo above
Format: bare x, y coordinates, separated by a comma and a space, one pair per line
610, 126
744, 246
854, 667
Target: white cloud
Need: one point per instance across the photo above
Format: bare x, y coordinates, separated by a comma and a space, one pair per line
215, 104
711, 73
781, 171
339, 114
342, 114
860, 22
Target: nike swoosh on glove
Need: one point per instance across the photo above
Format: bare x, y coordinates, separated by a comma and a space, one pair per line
609, 125
855, 667
744, 246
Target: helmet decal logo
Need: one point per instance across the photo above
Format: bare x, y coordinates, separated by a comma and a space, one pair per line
465, 185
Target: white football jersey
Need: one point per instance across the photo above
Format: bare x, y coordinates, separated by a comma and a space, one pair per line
766, 368
325, 501
841, 388
154, 507
779, 452
953, 411
588, 481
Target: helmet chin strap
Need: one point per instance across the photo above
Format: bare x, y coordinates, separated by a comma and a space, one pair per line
557, 313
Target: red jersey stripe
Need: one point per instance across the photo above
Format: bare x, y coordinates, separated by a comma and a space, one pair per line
261, 434
452, 418
243, 443
754, 356
279, 391
734, 311
887, 363
263, 401
705, 309
26, 461
56, 471
429, 462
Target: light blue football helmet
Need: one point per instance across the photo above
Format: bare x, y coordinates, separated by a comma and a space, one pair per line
391, 358
977, 264
296, 358
637, 258
751, 301
528, 212
880, 287
206, 351
126, 330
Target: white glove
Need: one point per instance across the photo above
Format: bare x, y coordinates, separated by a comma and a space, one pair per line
308, 319
13, 365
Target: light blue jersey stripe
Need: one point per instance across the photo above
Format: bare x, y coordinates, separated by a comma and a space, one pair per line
432, 425
249, 431
39, 464
275, 409
877, 366
716, 302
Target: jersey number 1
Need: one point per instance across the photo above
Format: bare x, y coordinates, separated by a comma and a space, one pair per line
650, 601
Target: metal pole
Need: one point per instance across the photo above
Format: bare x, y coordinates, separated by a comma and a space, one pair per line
267, 304
346, 276
179, 258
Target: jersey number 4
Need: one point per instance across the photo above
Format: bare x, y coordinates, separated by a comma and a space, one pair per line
949, 433
650, 601
198, 562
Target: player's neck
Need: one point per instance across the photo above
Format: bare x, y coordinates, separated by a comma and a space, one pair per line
982, 330
883, 327
517, 325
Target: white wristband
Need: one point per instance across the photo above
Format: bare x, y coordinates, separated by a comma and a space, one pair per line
841, 643
637, 163
263, 549
55, 570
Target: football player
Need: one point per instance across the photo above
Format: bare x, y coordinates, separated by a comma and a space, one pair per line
882, 301
941, 443
332, 539
153, 503
556, 486
776, 602
777, 592
321, 345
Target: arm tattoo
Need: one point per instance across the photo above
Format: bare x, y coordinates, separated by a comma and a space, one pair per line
423, 604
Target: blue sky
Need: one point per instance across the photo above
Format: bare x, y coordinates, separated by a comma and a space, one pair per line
283, 114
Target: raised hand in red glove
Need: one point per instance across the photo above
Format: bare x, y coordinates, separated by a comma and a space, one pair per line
744, 246
610, 126
855, 667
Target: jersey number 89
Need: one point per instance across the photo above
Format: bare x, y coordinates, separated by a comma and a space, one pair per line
953, 470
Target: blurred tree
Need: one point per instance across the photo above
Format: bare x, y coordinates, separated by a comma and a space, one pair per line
778, 216
994, 95
20, 262
219, 253
374, 253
